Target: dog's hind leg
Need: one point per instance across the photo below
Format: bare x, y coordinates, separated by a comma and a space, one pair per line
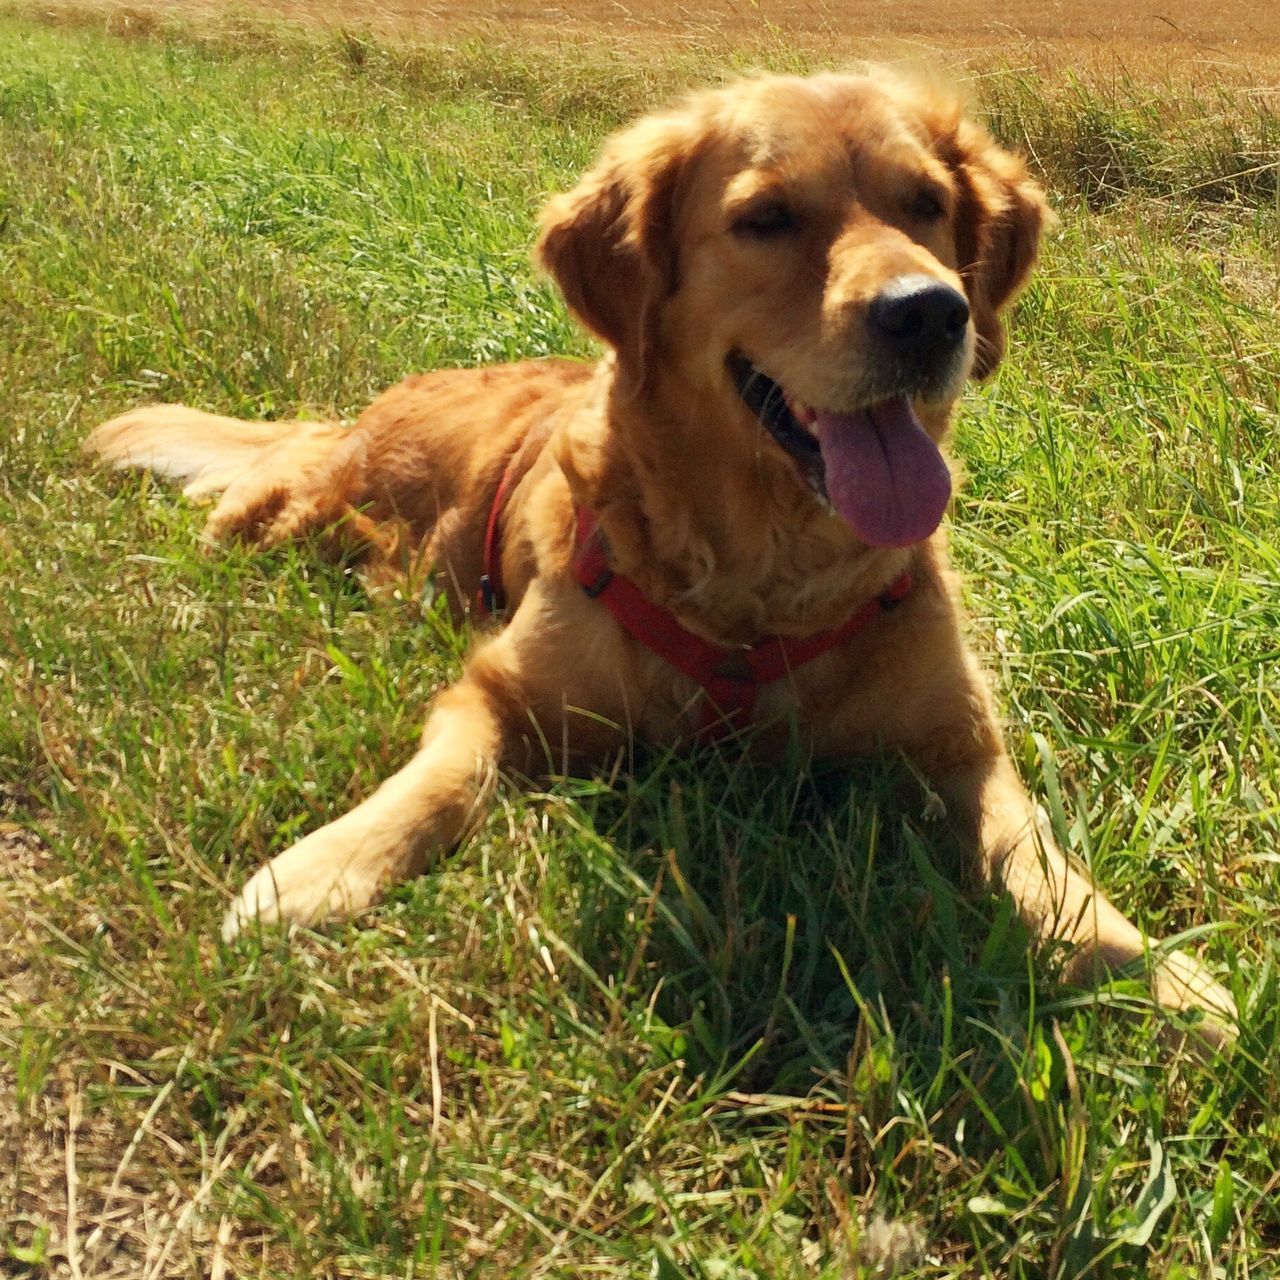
307, 483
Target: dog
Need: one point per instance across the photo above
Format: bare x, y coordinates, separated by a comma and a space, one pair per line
728, 527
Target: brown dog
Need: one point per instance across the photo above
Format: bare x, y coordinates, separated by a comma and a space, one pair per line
707, 529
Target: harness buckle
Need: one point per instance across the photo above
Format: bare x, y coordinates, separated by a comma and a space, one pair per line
735, 667
895, 593
600, 583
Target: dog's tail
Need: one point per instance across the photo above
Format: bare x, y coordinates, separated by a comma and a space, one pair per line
205, 451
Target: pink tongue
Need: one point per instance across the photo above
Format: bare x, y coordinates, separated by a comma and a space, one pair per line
884, 475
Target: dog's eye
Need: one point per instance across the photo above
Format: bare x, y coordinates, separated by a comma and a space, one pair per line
926, 207
766, 221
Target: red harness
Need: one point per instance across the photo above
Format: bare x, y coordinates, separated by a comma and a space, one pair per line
730, 677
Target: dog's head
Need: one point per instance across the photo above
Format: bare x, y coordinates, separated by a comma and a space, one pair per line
824, 258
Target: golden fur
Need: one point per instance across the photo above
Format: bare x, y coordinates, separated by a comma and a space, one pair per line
669, 250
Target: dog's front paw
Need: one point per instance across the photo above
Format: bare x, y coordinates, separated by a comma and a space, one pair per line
319, 878
1181, 983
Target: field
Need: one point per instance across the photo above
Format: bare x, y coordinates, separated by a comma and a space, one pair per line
692, 1020
1227, 41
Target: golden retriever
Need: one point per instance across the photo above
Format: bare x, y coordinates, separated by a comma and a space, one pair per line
794, 278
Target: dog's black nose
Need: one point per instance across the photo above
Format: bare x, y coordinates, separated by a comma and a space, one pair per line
917, 313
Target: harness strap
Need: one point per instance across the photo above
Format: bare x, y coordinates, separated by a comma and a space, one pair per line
491, 598
730, 677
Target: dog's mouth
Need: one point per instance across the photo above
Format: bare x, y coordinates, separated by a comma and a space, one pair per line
876, 465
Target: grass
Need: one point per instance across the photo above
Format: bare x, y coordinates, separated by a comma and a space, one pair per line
699, 1020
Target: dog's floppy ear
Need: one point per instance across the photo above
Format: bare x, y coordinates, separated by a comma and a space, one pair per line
1001, 215
610, 242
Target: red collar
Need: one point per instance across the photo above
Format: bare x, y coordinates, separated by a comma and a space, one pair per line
730, 677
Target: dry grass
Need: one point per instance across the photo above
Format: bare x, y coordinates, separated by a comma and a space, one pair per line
87, 1190
1232, 43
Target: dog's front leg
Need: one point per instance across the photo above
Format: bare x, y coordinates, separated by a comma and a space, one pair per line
1058, 902
417, 815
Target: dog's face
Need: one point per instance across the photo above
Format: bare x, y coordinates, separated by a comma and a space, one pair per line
823, 259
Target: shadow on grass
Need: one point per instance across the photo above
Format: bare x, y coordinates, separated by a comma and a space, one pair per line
792, 925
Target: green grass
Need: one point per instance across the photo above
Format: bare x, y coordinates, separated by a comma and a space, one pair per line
700, 1021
